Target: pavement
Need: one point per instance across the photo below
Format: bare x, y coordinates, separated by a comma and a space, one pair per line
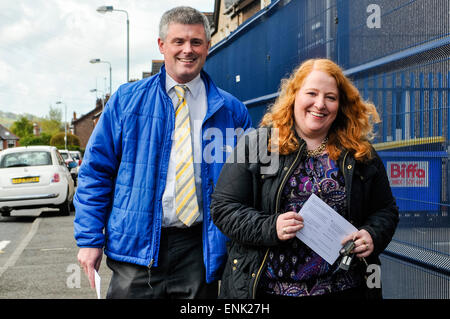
44, 265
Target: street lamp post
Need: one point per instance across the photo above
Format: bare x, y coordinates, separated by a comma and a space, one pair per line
104, 9
93, 61
65, 123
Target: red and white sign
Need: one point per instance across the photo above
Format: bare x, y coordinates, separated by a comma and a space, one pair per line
408, 173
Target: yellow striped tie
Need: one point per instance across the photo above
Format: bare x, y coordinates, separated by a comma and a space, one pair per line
185, 193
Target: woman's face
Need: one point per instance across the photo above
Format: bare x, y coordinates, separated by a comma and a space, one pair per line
316, 105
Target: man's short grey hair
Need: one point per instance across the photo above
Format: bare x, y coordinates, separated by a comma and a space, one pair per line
183, 15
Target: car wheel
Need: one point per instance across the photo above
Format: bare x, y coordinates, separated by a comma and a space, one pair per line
64, 208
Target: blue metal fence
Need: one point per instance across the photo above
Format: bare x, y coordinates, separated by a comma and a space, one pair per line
397, 52
411, 105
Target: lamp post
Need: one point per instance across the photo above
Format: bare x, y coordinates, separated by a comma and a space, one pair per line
104, 9
65, 123
93, 61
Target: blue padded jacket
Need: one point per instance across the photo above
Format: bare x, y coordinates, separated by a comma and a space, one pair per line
123, 175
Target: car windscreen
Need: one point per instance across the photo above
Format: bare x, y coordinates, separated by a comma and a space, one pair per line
75, 156
27, 158
64, 155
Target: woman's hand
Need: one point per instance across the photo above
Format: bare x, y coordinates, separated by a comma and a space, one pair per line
363, 243
288, 224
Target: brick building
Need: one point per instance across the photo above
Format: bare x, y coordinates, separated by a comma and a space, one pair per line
7, 138
230, 14
83, 126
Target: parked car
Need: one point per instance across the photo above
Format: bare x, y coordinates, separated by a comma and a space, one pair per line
76, 155
74, 167
34, 177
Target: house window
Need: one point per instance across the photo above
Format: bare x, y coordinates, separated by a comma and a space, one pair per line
11, 143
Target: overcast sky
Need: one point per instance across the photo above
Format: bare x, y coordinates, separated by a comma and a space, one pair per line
46, 45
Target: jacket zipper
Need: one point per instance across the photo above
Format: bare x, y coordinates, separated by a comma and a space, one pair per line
149, 271
154, 224
343, 162
348, 204
258, 274
346, 181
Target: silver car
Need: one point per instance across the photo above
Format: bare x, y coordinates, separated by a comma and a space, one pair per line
34, 177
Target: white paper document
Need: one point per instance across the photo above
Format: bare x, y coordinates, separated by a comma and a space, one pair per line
324, 229
97, 284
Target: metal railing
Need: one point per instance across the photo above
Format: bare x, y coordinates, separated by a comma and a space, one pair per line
397, 52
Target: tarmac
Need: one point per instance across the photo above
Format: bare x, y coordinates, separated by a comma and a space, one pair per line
44, 265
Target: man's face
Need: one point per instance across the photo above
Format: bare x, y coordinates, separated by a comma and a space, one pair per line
185, 49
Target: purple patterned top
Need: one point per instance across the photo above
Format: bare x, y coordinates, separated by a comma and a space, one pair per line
293, 269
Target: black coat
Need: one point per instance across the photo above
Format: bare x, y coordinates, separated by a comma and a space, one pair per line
246, 203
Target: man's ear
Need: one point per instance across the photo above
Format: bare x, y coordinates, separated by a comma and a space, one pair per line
161, 45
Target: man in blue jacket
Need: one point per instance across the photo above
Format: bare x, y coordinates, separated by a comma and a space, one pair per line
149, 169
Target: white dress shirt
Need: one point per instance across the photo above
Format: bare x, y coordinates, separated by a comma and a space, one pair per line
198, 104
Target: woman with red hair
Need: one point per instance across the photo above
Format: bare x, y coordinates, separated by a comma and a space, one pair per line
320, 130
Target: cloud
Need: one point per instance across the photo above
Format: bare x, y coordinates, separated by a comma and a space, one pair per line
47, 44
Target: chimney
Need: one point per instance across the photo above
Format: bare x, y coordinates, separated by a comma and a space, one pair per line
74, 116
36, 130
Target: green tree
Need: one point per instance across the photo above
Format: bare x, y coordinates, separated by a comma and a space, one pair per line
52, 123
22, 127
73, 141
43, 139
51, 127
55, 114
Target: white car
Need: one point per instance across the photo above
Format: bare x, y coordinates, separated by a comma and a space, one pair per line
67, 156
34, 177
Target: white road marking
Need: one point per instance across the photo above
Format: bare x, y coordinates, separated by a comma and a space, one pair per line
3, 244
52, 249
23, 244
